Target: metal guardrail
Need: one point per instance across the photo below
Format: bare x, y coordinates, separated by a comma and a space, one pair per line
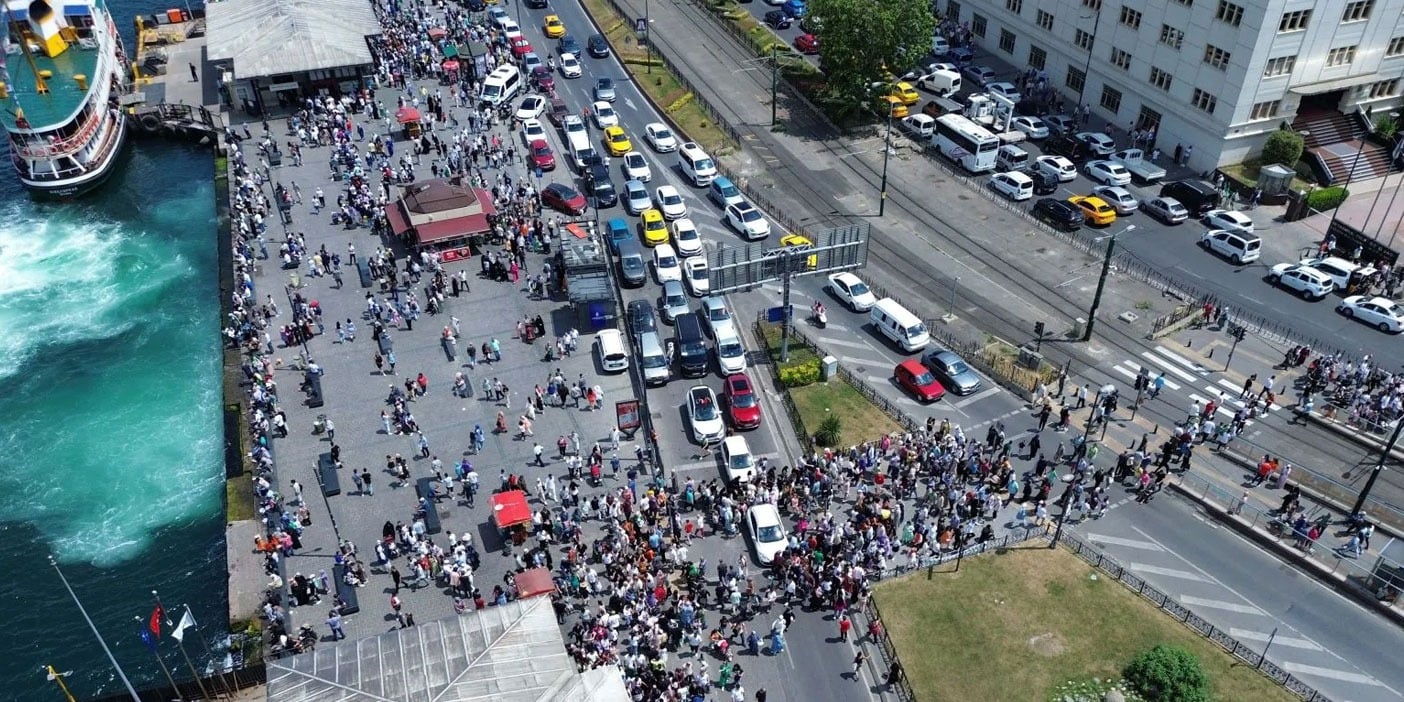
1183, 614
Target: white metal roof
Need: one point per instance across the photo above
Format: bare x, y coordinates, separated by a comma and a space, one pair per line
271, 37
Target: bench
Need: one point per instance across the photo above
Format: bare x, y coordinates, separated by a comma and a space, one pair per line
432, 524
314, 390
347, 593
331, 478
363, 267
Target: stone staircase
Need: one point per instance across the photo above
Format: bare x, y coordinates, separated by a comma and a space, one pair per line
1334, 140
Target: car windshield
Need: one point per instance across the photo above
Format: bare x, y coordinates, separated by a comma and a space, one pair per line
750, 215
685, 234
655, 362
770, 534
730, 349
704, 409
719, 314
741, 460
698, 272
677, 300
958, 367
745, 400
916, 329
667, 261
671, 199
858, 289
925, 378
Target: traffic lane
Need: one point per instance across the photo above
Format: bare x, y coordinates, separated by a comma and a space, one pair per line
1320, 628
685, 456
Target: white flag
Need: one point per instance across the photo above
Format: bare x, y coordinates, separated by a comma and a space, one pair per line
186, 621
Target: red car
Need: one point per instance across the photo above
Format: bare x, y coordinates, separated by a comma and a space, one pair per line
543, 79
742, 404
541, 156
917, 380
807, 44
520, 46
564, 198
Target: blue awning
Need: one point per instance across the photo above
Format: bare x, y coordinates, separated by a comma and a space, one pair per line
76, 10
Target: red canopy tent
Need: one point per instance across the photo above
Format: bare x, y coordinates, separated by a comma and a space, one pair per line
510, 509
450, 65
536, 581
437, 33
405, 115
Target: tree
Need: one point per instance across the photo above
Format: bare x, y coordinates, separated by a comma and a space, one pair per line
830, 431
862, 42
1283, 146
1168, 673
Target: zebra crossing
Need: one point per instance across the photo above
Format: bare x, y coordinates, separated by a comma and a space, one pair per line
1183, 374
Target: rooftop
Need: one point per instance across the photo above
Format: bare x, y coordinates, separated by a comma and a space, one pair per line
274, 37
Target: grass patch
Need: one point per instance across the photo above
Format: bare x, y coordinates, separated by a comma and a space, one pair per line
799, 353
862, 420
1247, 173
239, 499
1019, 624
663, 88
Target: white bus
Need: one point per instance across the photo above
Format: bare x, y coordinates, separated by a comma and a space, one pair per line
966, 143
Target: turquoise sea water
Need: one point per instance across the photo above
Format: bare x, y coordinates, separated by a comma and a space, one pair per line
110, 431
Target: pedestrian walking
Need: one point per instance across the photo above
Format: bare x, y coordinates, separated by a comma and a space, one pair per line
297, 492
858, 660
845, 624
194, 74
366, 478
334, 623
1237, 506
395, 576
360, 484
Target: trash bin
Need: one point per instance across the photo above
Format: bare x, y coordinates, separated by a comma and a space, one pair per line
828, 368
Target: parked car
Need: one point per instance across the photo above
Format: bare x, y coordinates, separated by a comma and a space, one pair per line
1107, 172
1119, 198
952, 371
978, 75
1306, 281
1014, 185
1058, 167
777, 19
742, 404
914, 378
540, 156
562, 197
1058, 213
1032, 127
1166, 209
807, 44
1380, 312
1098, 143
1229, 219
1095, 210
1236, 246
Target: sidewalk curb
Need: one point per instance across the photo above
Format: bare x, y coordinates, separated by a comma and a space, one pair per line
1359, 437
1249, 465
1339, 583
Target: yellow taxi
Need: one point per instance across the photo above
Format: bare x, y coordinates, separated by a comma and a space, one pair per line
1094, 209
553, 26
906, 93
797, 240
617, 141
894, 105
655, 230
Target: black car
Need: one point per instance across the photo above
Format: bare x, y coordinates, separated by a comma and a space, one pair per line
475, 5
1069, 146
598, 46
535, 4
597, 178
568, 45
777, 19
641, 318
1044, 183
1059, 213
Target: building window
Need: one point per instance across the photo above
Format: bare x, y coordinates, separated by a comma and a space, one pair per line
1111, 99
1294, 21
1045, 20
1038, 58
1230, 13
1384, 89
1130, 17
1204, 101
1006, 41
1216, 57
1160, 79
953, 10
1094, 4
1171, 36
978, 25
1280, 66
1083, 40
1015, 6
1148, 119
1076, 79
1341, 56
1120, 59
1396, 47
1358, 11
1265, 110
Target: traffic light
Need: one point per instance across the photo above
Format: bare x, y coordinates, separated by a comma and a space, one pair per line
1239, 331
1039, 329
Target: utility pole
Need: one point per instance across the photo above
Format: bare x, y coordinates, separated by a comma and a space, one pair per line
886, 152
1238, 332
1379, 466
1102, 283
785, 302
774, 81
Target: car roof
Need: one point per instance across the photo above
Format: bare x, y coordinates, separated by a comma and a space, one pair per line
668, 285
739, 379
912, 365
736, 444
765, 514
1017, 176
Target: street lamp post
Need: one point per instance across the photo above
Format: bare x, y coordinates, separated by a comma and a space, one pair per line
1102, 282
774, 80
886, 153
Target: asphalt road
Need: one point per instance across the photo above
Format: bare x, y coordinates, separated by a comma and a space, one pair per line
1322, 637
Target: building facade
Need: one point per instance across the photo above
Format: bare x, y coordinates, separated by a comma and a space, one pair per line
1219, 75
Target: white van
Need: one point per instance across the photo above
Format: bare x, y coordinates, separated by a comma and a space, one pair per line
614, 358
900, 325
654, 359
580, 148
942, 82
696, 164
501, 85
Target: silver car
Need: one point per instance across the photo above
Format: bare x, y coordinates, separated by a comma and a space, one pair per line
674, 300
1166, 209
952, 371
636, 197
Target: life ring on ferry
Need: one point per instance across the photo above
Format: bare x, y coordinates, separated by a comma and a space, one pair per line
150, 122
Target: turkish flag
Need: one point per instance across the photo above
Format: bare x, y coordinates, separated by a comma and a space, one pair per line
155, 623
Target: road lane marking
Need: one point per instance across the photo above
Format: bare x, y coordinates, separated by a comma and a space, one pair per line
1189, 601
1290, 641
1332, 673
988, 392
1129, 543
1169, 367
1181, 360
863, 361
1136, 369
844, 342
1167, 572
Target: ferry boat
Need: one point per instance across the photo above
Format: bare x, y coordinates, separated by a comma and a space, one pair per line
64, 72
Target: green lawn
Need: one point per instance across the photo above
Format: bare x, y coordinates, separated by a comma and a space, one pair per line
861, 419
1013, 626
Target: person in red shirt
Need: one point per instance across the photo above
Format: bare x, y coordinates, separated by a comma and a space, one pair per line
845, 624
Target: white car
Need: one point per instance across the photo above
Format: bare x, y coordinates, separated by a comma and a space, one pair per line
534, 130
1099, 143
717, 316
1032, 127
747, 220
1108, 173
570, 65
531, 108
605, 116
666, 265
1004, 90
1378, 312
731, 355
767, 532
1308, 282
851, 291
685, 238
614, 357
1056, 166
669, 202
1166, 209
696, 275
1232, 220
572, 124
704, 415
660, 137
1118, 197
1014, 185
737, 459
1339, 270
636, 167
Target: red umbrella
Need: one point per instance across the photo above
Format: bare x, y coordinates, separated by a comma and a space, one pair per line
438, 33
451, 64
405, 115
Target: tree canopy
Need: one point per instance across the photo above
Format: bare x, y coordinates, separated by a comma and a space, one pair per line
865, 41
